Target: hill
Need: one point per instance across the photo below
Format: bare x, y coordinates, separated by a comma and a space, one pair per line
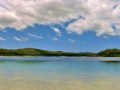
109, 53
39, 52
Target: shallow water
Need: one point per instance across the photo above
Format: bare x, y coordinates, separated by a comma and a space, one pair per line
59, 73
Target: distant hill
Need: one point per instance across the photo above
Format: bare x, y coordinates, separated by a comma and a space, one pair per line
109, 53
39, 52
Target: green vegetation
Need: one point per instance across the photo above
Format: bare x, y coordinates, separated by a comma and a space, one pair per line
39, 52
109, 53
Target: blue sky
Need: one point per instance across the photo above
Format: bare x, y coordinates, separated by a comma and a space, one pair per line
65, 25
50, 40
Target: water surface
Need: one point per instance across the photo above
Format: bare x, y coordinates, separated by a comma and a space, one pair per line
59, 73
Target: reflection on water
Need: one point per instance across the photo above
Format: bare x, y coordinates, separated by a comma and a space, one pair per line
59, 73
112, 62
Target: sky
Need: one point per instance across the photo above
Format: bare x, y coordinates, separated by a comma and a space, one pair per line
60, 25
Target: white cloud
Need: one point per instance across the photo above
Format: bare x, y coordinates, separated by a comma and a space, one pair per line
21, 39
78, 27
20, 14
35, 36
2, 39
72, 40
55, 39
100, 19
105, 37
99, 14
57, 31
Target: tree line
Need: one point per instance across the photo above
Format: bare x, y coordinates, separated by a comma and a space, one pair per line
38, 52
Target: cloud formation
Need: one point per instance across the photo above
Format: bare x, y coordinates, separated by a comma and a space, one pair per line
55, 39
71, 40
35, 36
101, 16
2, 39
59, 33
21, 39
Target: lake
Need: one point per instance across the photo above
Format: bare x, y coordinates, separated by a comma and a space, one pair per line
59, 73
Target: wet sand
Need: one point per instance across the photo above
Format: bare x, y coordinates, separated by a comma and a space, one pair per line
20, 82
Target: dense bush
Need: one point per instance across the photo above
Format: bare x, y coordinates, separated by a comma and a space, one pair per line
38, 52
110, 53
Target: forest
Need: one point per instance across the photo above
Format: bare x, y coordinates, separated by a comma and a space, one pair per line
38, 52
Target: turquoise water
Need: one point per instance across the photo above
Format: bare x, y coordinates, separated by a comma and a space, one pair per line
59, 73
